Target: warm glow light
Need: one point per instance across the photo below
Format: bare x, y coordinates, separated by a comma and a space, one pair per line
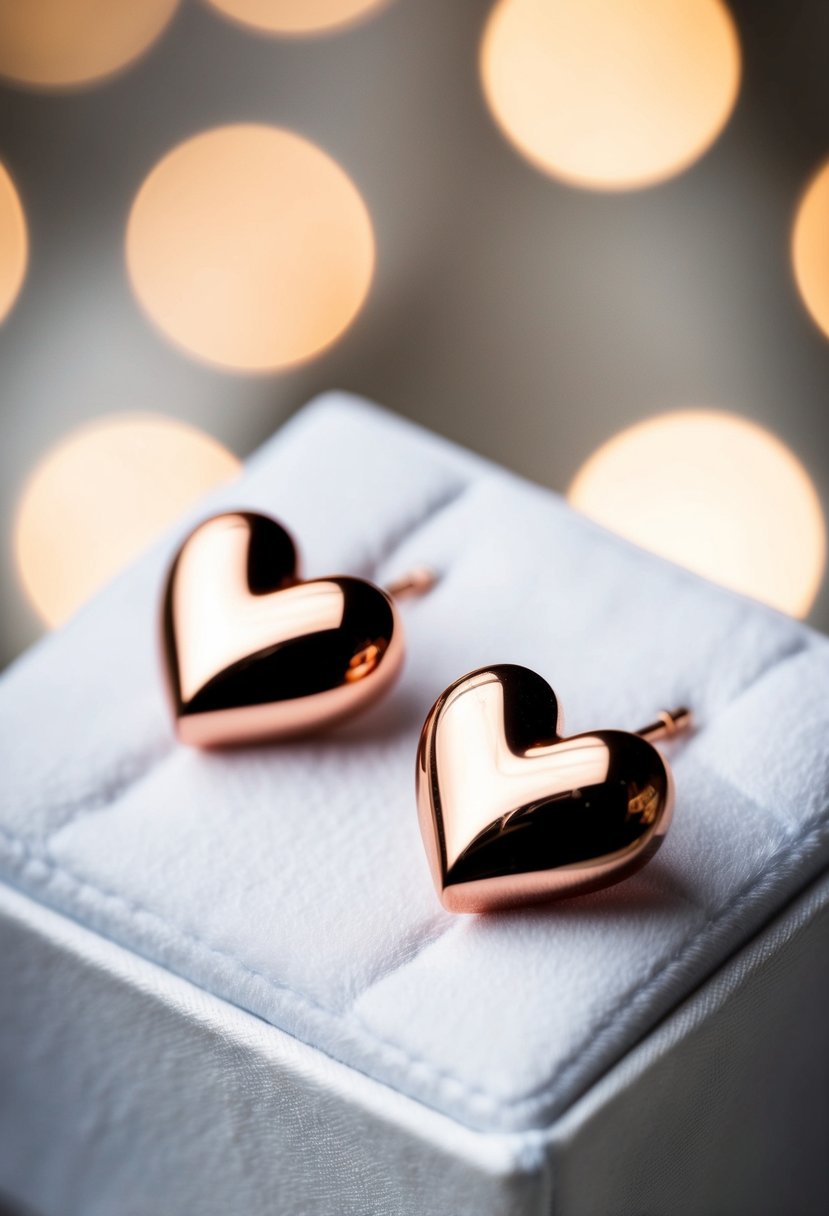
810, 248
63, 43
13, 243
296, 16
715, 493
250, 247
101, 496
611, 94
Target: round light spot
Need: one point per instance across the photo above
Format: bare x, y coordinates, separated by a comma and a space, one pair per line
611, 94
13, 244
250, 247
296, 17
717, 494
810, 248
101, 496
54, 44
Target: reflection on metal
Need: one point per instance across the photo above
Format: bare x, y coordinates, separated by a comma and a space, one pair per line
512, 813
252, 652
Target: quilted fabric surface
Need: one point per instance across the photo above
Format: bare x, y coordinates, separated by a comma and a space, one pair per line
291, 881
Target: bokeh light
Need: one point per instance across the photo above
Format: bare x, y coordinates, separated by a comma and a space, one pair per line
297, 17
54, 44
13, 243
717, 494
101, 496
611, 94
810, 248
250, 247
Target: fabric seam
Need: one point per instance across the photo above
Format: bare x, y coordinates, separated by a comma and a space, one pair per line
528, 1101
538, 1096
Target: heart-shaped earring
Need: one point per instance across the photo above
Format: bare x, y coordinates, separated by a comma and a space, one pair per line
252, 652
513, 813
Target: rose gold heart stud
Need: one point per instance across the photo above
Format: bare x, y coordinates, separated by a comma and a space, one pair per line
252, 652
512, 813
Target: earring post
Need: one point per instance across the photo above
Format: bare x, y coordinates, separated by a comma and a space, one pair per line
416, 582
669, 723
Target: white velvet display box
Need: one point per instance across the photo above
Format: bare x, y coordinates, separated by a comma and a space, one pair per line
227, 984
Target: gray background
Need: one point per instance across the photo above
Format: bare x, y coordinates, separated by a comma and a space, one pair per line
521, 317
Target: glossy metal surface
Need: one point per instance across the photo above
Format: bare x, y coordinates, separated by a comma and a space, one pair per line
512, 813
252, 652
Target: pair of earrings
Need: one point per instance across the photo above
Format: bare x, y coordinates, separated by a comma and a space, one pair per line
511, 811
